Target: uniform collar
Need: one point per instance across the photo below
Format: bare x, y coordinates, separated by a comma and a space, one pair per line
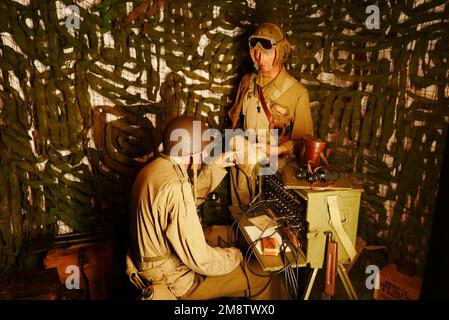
277, 82
179, 167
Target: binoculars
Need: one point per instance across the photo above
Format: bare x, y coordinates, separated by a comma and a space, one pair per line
321, 174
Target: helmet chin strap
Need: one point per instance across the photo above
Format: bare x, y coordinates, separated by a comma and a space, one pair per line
195, 176
188, 162
195, 179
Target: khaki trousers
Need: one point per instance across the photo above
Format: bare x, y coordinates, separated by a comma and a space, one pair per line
238, 283
248, 281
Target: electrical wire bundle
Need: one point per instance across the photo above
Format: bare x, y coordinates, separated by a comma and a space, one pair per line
290, 274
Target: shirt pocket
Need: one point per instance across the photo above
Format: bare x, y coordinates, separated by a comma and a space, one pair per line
280, 112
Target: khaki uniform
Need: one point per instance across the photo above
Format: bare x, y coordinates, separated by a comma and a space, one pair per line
168, 243
288, 102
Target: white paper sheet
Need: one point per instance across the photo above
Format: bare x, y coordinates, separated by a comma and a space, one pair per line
255, 233
263, 222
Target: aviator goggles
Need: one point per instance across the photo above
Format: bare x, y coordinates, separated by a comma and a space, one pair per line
265, 43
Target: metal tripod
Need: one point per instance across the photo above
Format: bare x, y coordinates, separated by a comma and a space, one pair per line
343, 277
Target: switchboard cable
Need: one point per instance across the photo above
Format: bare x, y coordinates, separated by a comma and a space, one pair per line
290, 278
283, 250
245, 265
287, 270
272, 275
287, 282
250, 251
255, 206
297, 275
252, 207
291, 282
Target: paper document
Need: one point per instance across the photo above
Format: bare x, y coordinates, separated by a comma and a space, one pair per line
263, 222
256, 234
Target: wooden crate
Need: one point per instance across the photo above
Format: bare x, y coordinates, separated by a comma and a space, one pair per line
397, 286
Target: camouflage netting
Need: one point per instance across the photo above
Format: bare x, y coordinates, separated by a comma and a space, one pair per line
82, 109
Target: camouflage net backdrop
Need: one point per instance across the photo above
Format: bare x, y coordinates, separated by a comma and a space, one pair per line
82, 109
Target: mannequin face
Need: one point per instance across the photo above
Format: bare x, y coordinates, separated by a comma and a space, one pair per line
265, 60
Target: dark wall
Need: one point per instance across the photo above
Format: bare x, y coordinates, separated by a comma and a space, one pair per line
436, 278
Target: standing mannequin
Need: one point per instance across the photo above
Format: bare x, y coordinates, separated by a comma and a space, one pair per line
286, 99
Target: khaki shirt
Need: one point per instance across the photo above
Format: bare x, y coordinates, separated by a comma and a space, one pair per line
286, 98
164, 221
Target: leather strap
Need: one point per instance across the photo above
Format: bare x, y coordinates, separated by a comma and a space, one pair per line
264, 104
336, 222
236, 110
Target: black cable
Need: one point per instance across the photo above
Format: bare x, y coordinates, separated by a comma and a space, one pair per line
256, 205
291, 280
288, 277
288, 281
260, 236
286, 285
262, 290
249, 268
242, 265
251, 208
272, 275
297, 279
253, 244
247, 212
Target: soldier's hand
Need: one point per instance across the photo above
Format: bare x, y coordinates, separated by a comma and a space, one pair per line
224, 160
268, 149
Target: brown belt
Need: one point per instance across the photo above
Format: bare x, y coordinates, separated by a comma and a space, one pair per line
155, 259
